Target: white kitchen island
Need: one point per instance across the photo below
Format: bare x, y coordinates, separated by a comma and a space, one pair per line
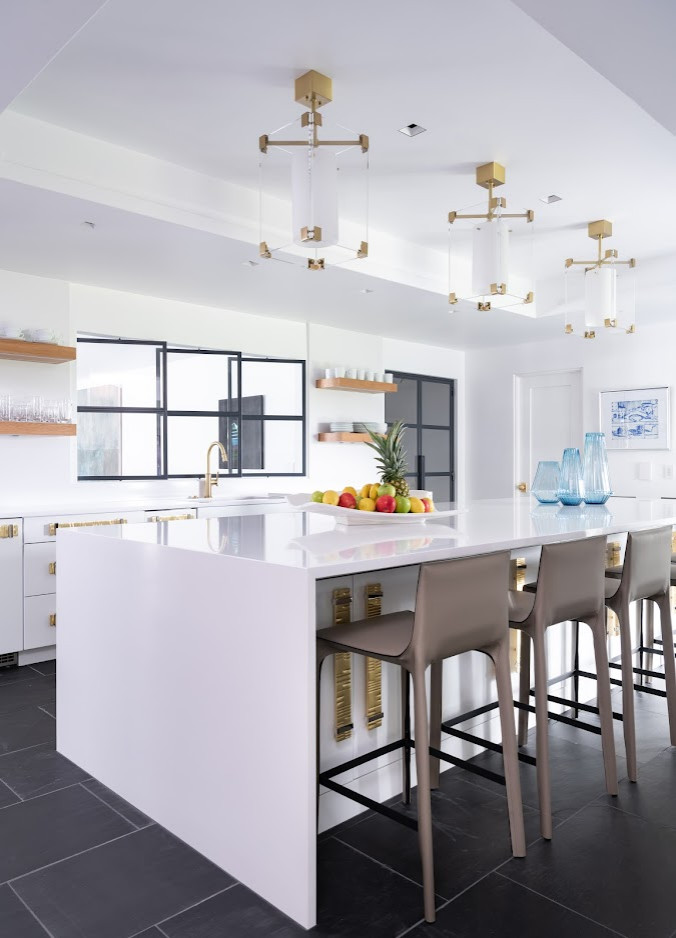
186, 666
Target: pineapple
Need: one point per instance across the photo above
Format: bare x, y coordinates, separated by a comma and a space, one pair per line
391, 457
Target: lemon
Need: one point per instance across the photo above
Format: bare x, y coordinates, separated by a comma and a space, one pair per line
367, 504
330, 497
365, 490
417, 507
352, 491
373, 491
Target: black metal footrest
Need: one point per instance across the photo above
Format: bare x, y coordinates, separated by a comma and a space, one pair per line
617, 683
651, 651
327, 780
570, 721
480, 741
469, 766
576, 705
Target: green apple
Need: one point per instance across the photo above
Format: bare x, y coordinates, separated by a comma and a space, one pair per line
387, 489
317, 496
403, 504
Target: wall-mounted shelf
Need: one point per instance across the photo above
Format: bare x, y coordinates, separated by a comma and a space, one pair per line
25, 428
343, 437
354, 384
21, 351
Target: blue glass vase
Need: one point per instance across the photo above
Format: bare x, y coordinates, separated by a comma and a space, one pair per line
571, 491
546, 483
595, 470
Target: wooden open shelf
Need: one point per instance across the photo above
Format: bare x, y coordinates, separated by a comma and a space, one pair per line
343, 437
354, 384
21, 351
24, 428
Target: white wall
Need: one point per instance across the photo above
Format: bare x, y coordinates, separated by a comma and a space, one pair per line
645, 359
35, 469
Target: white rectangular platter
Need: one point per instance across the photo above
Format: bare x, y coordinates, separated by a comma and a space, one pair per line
354, 516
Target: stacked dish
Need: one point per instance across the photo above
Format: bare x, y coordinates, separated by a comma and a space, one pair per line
373, 427
341, 426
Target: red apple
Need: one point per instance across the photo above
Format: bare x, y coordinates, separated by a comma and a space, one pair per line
347, 500
387, 503
427, 502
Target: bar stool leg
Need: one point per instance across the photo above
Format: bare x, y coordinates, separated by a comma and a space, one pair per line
628, 719
422, 763
649, 640
406, 733
500, 656
524, 685
576, 666
598, 627
436, 685
541, 733
664, 605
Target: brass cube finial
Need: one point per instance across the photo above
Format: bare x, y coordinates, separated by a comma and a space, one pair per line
490, 174
313, 86
600, 229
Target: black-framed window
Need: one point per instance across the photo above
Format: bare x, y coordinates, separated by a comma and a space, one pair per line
147, 410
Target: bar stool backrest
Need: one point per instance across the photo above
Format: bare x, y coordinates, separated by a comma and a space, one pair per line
461, 605
647, 563
571, 580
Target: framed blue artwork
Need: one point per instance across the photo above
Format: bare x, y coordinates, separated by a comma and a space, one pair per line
636, 418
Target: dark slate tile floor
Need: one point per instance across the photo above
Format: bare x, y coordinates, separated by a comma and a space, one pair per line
76, 861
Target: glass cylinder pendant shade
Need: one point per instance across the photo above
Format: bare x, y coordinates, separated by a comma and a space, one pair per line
595, 472
571, 490
600, 296
314, 196
546, 483
490, 256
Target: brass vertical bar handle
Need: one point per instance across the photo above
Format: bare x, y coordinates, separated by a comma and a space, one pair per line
52, 620
52, 568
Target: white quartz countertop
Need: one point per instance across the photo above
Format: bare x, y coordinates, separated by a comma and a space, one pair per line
76, 506
314, 542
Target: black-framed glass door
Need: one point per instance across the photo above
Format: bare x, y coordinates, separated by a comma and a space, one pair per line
426, 405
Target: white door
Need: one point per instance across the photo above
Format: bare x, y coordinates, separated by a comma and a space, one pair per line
548, 419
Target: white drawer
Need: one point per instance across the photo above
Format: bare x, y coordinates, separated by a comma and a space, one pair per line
39, 612
39, 568
44, 529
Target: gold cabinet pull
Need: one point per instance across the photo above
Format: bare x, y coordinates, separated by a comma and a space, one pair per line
52, 620
82, 524
9, 530
170, 517
522, 487
52, 568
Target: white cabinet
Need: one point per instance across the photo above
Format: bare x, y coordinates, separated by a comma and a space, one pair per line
39, 621
11, 585
39, 569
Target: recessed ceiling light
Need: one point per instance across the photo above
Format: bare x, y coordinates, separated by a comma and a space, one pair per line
412, 130
366, 290
89, 224
249, 263
548, 199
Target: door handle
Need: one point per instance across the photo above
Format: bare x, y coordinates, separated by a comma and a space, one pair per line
522, 487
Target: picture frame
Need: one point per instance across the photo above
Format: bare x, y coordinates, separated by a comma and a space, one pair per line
636, 418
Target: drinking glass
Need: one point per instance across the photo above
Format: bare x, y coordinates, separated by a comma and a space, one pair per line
5, 407
595, 472
547, 482
571, 490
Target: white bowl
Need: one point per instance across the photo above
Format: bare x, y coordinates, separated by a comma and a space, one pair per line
8, 331
42, 335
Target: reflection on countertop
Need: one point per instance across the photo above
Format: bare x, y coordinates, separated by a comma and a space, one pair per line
314, 542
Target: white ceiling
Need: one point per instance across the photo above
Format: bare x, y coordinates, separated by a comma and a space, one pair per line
195, 83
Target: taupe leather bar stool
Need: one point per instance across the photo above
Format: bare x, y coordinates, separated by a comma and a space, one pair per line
570, 586
461, 605
645, 575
